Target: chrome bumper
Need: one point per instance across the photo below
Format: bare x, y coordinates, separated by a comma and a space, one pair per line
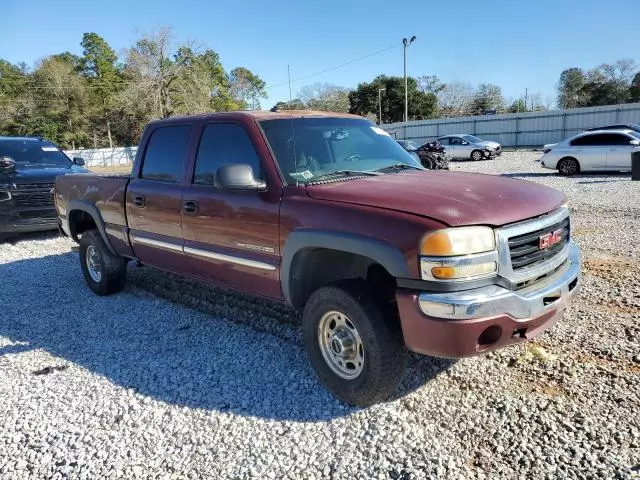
492, 300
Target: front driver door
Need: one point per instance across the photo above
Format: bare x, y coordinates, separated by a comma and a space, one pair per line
619, 151
231, 237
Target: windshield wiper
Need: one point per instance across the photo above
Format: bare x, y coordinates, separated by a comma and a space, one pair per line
399, 166
345, 173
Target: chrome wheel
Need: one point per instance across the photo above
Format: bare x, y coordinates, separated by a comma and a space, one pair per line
476, 155
341, 345
94, 266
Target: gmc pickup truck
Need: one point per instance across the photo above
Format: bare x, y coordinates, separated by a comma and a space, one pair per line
327, 213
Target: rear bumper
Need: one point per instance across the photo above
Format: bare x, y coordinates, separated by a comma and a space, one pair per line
467, 323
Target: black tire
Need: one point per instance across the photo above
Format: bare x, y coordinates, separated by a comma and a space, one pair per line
476, 155
384, 354
427, 162
568, 167
113, 269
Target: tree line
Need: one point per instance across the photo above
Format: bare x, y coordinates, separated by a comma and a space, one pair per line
101, 100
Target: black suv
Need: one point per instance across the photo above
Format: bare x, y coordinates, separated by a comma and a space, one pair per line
28, 169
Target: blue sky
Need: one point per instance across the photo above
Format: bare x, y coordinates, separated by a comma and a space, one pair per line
514, 44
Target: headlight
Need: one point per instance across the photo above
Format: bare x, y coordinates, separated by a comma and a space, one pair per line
458, 241
458, 254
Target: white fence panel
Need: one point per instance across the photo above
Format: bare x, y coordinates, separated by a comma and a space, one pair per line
104, 157
530, 129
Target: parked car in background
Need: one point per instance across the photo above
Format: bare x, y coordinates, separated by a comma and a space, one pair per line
432, 155
28, 169
605, 150
464, 147
621, 126
379, 255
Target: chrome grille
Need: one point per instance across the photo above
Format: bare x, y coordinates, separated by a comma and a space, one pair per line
519, 261
525, 249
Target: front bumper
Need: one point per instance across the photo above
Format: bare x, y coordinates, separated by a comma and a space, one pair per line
24, 225
466, 323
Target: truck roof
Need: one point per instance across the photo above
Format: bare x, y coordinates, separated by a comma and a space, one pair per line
261, 115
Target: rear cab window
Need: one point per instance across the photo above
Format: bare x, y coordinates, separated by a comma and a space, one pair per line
164, 158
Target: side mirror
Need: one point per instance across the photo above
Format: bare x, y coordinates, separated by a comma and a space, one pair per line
635, 143
79, 161
238, 177
7, 163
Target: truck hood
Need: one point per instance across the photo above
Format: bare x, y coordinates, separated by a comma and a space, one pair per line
453, 198
39, 174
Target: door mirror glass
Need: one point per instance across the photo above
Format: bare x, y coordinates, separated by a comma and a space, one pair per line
464, 142
634, 142
79, 161
238, 177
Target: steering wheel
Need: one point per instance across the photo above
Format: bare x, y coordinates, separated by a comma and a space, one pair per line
352, 158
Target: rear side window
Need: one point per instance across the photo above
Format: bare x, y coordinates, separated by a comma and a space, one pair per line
224, 144
602, 139
166, 151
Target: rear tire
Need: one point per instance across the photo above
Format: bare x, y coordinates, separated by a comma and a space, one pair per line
104, 272
428, 163
353, 343
568, 166
476, 155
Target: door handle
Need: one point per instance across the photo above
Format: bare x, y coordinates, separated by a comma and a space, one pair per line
190, 207
139, 201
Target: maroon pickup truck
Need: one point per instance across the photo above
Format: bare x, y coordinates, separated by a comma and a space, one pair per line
329, 214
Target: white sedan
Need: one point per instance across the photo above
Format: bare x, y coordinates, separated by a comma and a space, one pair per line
605, 150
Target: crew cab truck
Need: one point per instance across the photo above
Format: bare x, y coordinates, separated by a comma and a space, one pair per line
327, 213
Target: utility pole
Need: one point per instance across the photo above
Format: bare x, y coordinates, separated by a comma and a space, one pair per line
380, 90
406, 43
289, 75
526, 92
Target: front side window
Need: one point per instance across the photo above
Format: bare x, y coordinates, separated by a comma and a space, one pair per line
455, 141
224, 144
165, 155
306, 148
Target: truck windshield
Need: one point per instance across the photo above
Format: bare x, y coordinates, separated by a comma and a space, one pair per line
33, 152
306, 148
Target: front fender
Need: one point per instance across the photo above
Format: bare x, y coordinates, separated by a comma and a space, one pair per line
387, 255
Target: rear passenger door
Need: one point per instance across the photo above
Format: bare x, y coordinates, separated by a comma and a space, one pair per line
231, 236
619, 151
154, 198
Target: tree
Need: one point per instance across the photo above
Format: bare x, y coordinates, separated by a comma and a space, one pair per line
364, 99
455, 99
247, 87
99, 67
518, 106
634, 90
570, 88
430, 84
325, 96
488, 97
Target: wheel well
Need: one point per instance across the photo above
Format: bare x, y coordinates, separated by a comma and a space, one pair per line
79, 222
313, 268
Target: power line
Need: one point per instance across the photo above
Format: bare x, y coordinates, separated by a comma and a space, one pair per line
333, 68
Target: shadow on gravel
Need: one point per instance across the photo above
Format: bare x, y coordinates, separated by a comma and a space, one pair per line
226, 352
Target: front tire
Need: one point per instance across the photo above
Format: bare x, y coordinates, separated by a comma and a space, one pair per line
353, 343
476, 155
104, 272
568, 167
427, 162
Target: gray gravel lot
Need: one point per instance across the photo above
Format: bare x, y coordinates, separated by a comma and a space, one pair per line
173, 379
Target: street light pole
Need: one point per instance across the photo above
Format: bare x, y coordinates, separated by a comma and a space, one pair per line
406, 43
380, 90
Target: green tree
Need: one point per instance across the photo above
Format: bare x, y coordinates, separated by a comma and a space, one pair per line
634, 89
247, 87
487, 97
325, 96
570, 88
364, 99
103, 76
518, 106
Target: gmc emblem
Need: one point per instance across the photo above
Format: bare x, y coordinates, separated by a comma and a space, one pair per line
549, 239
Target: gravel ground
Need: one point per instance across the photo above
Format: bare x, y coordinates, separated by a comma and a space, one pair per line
172, 379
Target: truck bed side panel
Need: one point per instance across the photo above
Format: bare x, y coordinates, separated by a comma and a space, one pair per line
107, 194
